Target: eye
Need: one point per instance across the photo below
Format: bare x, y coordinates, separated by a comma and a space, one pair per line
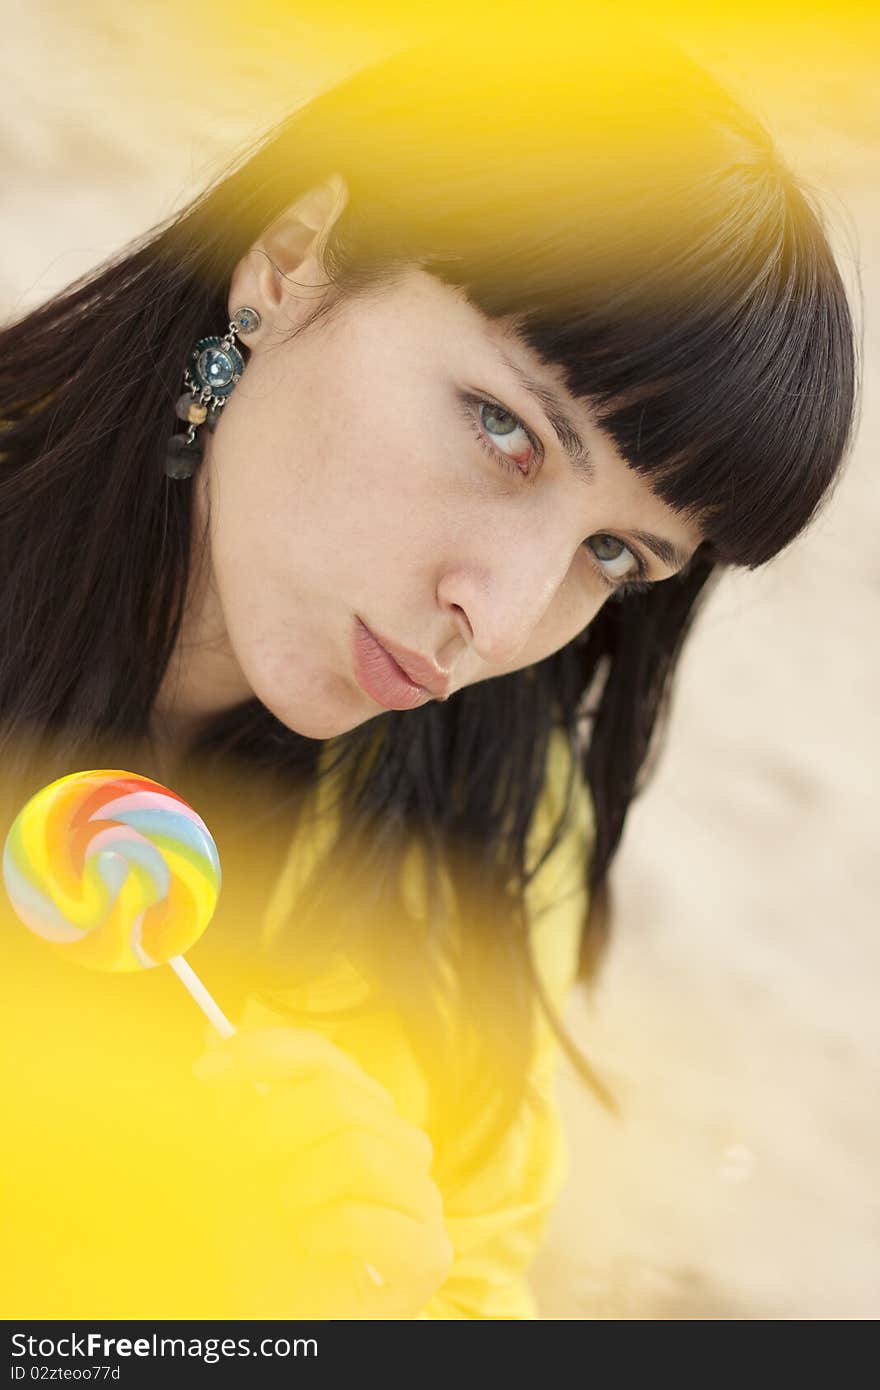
491, 421
611, 551
615, 562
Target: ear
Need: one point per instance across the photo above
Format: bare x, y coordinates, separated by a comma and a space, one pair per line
291, 246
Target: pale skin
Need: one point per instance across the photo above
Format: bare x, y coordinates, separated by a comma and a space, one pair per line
345, 477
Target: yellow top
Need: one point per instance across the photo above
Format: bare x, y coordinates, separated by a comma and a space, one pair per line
119, 1195
496, 1220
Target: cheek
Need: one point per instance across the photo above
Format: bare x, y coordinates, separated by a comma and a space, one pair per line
319, 510
561, 628
575, 605
574, 608
344, 462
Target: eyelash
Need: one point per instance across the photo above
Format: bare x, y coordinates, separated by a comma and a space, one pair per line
617, 590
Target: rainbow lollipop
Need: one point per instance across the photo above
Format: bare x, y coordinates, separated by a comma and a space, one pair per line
118, 873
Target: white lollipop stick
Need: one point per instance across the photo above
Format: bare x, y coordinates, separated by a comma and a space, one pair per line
208, 1005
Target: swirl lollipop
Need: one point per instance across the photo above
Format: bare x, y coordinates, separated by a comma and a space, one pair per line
118, 873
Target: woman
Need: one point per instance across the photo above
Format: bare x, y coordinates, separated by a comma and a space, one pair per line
537, 335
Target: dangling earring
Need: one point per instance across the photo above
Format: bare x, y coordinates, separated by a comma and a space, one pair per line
215, 366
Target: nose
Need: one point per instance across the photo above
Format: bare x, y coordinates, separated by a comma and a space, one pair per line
501, 601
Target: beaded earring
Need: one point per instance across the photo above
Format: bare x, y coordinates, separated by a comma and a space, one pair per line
215, 366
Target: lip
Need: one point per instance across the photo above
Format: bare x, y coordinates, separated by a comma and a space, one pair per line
380, 671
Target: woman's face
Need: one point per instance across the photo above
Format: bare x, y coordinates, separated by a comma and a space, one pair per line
371, 471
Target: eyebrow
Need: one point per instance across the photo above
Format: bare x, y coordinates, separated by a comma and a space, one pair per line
665, 550
565, 431
582, 460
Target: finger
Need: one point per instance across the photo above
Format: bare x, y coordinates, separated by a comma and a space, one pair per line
360, 1165
373, 1274
298, 1116
376, 1297
411, 1256
280, 1055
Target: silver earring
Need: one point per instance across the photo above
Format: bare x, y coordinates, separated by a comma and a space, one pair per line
215, 366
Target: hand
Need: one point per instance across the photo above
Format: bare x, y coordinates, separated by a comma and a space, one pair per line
328, 1188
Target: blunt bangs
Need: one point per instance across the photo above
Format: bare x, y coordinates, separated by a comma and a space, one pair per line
736, 397
641, 231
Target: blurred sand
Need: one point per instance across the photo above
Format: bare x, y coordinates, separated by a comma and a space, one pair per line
737, 1014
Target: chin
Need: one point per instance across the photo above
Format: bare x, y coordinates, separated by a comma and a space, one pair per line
323, 727
319, 719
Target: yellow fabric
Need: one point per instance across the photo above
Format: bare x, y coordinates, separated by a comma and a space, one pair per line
120, 1196
497, 1220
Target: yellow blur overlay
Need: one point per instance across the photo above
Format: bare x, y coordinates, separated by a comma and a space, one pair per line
110, 1170
131, 1187
776, 52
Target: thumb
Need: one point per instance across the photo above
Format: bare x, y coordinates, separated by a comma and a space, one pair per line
283, 1054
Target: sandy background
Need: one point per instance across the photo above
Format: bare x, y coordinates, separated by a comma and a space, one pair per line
737, 1014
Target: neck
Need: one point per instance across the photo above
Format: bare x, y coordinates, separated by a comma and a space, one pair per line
202, 678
